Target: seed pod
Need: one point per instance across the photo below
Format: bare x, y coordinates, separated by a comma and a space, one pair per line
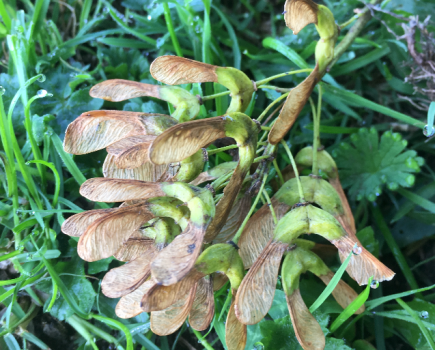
299, 13
293, 105
327, 164
185, 139
77, 224
173, 70
259, 229
186, 105
134, 246
129, 305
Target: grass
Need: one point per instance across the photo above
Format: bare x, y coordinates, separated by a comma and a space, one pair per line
63, 48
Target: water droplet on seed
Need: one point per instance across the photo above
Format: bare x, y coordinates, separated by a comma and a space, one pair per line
357, 250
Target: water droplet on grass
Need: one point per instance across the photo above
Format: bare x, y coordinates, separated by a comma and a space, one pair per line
2, 90
42, 78
424, 314
41, 93
374, 284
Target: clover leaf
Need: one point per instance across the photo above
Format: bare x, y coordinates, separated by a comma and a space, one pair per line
366, 164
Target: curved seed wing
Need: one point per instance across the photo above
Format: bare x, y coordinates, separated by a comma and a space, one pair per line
255, 295
96, 130
128, 277
77, 224
202, 311
292, 107
236, 332
135, 246
167, 321
101, 189
174, 70
299, 13
117, 90
129, 305
105, 236
183, 140
307, 329
145, 172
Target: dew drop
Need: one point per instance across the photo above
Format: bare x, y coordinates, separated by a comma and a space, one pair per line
374, 284
42, 78
160, 42
2, 90
41, 93
424, 314
357, 250
149, 18
72, 75
426, 131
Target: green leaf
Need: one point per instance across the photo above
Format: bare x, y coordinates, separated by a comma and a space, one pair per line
279, 334
78, 285
137, 65
352, 307
366, 163
95, 267
331, 285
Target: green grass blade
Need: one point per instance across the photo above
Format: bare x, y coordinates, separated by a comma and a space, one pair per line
5, 16
332, 284
124, 42
86, 9
67, 160
35, 340
371, 304
360, 62
359, 101
352, 307
117, 325
419, 322
56, 176
235, 43
170, 25
392, 244
206, 34
291, 54
418, 200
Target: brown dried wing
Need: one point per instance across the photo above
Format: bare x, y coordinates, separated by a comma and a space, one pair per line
106, 235
219, 280
129, 305
255, 295
307, 329
237, 214
101, 189
77, 224
364, 265
135, 246
131, 152
258, 232
292, 107
160, 297
183, 140
202, 311
177, 259
117, 90
167, 321
342, 293
145, 172
235, 332
348, 221
126, 278
203, 177
174, 70
299, 13
96, 130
